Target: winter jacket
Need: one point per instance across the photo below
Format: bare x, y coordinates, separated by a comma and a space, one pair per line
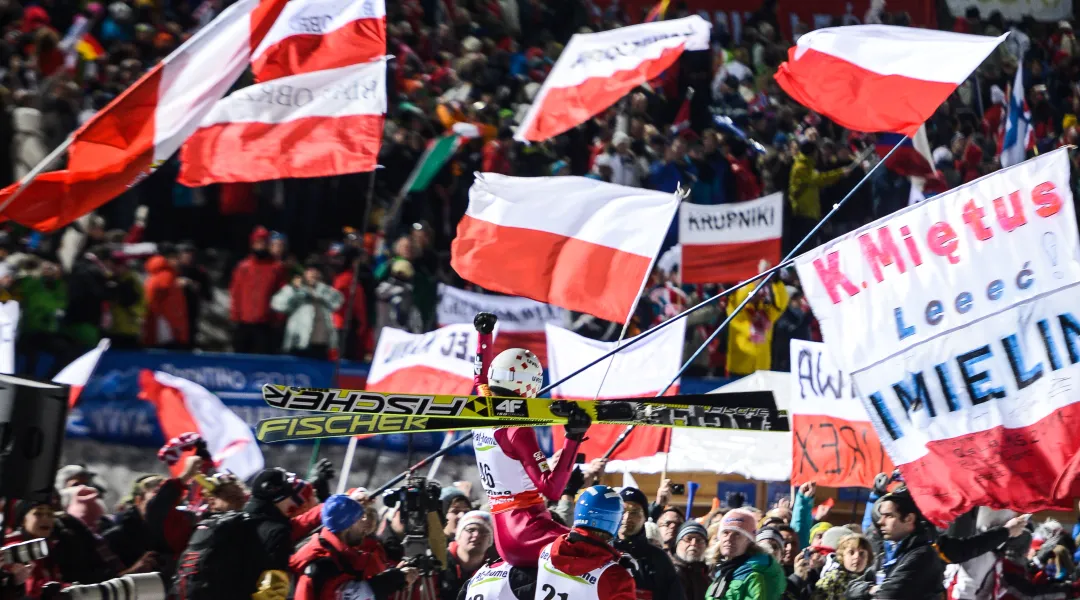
395, 307
804, 187
28, 146
166, 314
694, 578
127, 306
41, 301
751, 331
87, 295
307, 309
916, 572
325, 564
165, 529
274, 531
578, 552
802, 517
754, 576
359, 320
833, 584
254, 282
655, 577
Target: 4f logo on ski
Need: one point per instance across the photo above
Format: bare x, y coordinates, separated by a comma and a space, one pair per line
510, 408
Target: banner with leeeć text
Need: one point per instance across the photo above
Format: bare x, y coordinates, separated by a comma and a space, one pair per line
957, 319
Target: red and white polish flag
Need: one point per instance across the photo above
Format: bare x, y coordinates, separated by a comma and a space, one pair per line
310, 125
77, 373
880, 77
438, 362
139, 130
640, 371
314, 35
595, 70
184, 406
578, 243
726, 243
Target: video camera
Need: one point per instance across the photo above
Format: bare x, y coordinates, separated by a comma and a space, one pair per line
143, 586
418, 501
25, 552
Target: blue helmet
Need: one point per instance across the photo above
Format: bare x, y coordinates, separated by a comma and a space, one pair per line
601, 508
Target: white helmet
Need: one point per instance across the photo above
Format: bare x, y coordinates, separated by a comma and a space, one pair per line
518, 371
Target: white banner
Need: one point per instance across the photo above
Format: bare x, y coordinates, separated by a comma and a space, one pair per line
447, 350
9, 325
733, 223
640, 370
516, 315
1015, 10
957, 319
819, 387
944, 264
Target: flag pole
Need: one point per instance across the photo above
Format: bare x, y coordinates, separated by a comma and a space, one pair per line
346, 465
680, 195
761, 284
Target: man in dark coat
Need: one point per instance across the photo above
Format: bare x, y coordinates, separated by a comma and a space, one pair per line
655, 575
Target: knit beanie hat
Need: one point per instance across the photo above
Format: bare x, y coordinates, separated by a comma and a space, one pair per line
631, 494
690, 527
86, 506
339, 512
448, 495
772, 535
740, 520
474, 517
821, 527
831, 538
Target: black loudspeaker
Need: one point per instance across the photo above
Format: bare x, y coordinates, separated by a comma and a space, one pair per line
33, 416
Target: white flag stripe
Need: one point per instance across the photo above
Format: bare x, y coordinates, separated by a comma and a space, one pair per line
313, 17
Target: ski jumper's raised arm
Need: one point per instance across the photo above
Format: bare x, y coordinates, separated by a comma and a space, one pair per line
520, 444
484, 354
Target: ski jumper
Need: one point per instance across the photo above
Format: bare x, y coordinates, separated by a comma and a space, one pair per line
580, 566
491, 582
517, 477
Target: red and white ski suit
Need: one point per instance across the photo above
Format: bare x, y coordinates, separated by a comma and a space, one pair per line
517, 478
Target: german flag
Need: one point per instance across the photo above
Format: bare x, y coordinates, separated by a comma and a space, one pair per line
89, 48
657, 12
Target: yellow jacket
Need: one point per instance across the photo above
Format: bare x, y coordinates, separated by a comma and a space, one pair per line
750, 334
805, 185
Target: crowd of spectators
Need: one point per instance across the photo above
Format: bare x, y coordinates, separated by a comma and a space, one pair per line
208, 532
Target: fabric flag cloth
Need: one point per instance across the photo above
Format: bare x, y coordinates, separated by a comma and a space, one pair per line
595, 70
311, 125
1019, 136
682, 118
522, 322
832, 440
77, 373
437, 362
184, 406
640, 371
880, 77
726, 243
139, 130
315, 35
912, 159
578, 243
436, 154
957, 320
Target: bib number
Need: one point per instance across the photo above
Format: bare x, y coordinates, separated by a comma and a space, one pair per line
552, 593
488, 479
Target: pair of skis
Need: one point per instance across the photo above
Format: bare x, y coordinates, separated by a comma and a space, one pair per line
341, 412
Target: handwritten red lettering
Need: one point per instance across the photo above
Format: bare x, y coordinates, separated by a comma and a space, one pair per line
973, 217
1009, 222
942, 241
883, 254
831, 277
1045, 196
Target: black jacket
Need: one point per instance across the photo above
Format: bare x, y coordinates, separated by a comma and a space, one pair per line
917, 572
274, 531
655, 572
694, 578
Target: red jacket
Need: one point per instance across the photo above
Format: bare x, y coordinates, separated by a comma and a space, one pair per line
342, 283
579, 552
165, 300
254, 282
306, 522
368, 560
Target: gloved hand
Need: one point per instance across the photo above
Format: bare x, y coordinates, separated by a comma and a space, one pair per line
273, 585
881, 484
573, 485
484, 322
577, 423
320, 477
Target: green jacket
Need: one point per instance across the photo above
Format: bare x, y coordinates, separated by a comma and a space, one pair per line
804, 186
41, 305
759, 578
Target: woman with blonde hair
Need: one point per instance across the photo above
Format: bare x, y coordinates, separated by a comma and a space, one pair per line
853, 556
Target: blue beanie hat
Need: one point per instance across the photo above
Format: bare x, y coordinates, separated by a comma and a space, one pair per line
339, 512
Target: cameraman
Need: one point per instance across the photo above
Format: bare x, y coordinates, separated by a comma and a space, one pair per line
334, 562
